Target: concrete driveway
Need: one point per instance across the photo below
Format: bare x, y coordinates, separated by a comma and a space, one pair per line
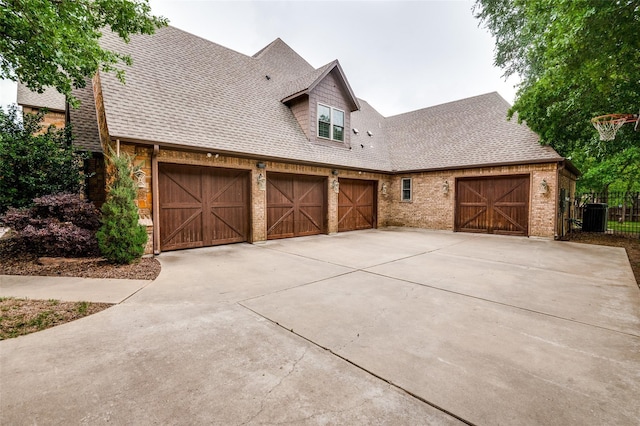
394, 326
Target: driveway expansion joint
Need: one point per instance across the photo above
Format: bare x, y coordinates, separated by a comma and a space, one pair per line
502, 304
353, 363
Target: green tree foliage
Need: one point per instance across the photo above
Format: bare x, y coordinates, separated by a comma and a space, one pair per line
56, 42
35, 161
577, 59
120, 238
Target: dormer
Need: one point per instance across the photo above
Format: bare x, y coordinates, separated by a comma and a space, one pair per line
322, 102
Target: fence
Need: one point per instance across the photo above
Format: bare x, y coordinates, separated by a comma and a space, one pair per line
621, 212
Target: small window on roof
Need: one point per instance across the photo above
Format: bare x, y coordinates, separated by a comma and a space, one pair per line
330, 123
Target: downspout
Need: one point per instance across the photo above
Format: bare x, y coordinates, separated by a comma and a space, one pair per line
557, 202
155, 201
117, 147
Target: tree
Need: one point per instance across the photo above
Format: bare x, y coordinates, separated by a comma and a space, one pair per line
56, 42
121, 238
35, 161
577, 59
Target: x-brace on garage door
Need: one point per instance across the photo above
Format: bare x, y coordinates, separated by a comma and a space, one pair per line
494, 205
202, 206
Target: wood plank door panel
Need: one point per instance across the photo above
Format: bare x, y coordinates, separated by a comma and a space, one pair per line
356, 205
202, 206
296, 205
495, 205
181, 202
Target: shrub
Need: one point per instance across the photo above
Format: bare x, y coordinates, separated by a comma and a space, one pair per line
56, 225
35, 161
121, 238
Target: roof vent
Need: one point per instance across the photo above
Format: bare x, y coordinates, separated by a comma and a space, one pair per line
361, 146
356, 131
369, 133
267, 77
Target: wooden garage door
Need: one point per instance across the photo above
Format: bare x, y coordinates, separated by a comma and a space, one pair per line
296, 205
202, 206
356, 205
498, 205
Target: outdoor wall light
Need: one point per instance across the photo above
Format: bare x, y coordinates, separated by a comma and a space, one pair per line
544, 187
384, 188
445, 187
262, 182
334, 172
141, 178
335, 185
261, 165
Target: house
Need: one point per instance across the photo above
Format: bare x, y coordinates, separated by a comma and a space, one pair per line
50, 102
237, 148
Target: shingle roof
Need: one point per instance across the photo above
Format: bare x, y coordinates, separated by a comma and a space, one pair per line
50, 98
468, 132
185, 91
83, 119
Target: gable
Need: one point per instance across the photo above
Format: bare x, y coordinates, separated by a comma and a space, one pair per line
329, 92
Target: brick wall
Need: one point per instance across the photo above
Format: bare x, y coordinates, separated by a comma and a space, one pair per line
51, 118
429, 208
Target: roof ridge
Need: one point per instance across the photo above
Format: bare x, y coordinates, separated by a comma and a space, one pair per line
204, 39
278, 41
450, 102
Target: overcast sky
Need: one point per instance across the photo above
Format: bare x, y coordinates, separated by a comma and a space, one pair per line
397, 55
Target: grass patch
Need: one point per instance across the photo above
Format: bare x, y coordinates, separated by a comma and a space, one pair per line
23, 316
624, 227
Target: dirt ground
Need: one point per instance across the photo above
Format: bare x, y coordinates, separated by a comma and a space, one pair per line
21, 316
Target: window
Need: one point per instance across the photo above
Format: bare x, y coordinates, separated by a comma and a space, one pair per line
406, 189
330, 123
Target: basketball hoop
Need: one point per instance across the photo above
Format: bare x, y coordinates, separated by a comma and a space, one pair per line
609, 124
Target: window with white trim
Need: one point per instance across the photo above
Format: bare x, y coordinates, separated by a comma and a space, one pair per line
406, 189
330, 123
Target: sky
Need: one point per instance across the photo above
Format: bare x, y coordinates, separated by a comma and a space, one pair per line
398, 56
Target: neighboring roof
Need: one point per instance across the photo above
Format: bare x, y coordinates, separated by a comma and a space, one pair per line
468, 132
50, 98
185, 91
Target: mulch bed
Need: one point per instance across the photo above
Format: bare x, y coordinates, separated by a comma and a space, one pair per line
90, 267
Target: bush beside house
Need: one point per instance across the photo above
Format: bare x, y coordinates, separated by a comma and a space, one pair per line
59, 225
121, 238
